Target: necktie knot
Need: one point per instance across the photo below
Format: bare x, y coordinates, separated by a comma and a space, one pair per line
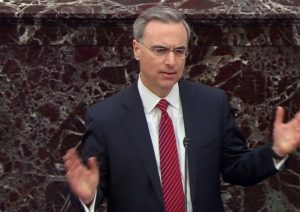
163, 105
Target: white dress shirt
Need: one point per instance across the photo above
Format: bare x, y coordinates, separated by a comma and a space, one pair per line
153, 114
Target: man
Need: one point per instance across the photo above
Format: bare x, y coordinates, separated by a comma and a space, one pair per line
123, 150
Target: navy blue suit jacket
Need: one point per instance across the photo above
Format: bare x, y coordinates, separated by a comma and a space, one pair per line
117, 133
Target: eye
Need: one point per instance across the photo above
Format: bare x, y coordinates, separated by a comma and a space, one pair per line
180, 51
160, 50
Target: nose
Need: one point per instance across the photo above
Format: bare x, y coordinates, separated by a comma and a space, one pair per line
170, 59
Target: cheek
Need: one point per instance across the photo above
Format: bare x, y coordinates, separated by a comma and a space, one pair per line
150, 64
181, 67
147, 68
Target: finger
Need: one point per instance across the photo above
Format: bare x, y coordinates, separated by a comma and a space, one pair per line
297, 117
75, 173
72, 164
279, 117
73, 176
72, 161
295, 123
92, 164
70, 153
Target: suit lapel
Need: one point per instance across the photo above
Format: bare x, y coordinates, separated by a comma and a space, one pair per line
134, 122
191, 113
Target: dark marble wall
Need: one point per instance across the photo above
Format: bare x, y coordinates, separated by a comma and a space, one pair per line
58, 57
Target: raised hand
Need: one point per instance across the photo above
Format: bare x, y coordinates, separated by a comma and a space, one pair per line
83, 180
286, 135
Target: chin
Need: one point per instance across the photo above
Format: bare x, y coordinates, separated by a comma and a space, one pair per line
168, 85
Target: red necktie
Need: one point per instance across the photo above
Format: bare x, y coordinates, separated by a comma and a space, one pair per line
169, 163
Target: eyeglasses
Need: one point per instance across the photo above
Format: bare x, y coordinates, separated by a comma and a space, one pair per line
162, 51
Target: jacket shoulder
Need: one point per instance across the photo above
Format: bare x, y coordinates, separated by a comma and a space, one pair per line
111, 105
200, 89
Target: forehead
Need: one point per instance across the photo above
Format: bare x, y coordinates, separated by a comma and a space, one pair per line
165, 33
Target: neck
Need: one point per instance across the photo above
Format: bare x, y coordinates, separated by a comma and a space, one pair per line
162, 93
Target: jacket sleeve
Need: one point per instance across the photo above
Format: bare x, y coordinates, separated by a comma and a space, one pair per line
93, 146
241, 166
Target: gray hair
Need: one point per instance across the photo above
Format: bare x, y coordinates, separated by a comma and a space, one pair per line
160, 13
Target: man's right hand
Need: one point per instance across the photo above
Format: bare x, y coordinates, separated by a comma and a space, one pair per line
83, 180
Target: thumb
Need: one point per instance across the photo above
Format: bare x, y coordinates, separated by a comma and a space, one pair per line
279, 117
92, 164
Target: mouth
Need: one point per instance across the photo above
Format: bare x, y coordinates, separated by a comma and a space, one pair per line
168, 73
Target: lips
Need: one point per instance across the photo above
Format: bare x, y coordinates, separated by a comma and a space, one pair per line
168, 73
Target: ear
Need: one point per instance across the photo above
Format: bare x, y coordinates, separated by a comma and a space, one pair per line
136, 49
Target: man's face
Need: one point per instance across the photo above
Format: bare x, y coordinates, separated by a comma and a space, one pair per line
160, 69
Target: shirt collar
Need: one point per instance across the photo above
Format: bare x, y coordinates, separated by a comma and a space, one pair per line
150, 100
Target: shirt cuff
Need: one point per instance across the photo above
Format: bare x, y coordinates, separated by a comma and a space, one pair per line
91, 208
279, 164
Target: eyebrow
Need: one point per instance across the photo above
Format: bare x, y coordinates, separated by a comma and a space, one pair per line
161, 46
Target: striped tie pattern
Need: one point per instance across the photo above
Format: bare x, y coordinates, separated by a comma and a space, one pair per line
169, 164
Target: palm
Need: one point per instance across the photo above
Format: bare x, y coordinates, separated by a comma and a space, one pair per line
286, 135
84, 182
82, 179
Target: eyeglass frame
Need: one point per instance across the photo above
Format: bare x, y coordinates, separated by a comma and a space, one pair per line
166, 51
